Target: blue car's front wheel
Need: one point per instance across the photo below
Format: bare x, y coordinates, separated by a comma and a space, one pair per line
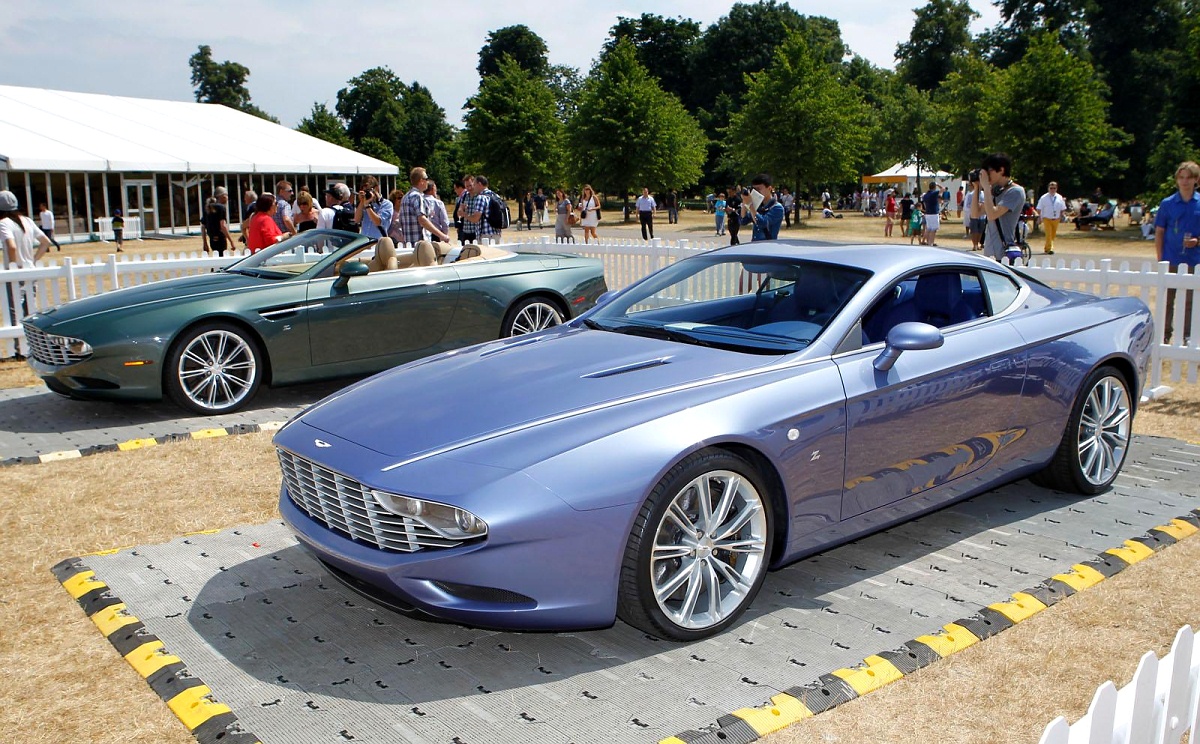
699, 549
214, 368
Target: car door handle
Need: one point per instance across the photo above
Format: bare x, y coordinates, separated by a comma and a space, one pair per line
433, 288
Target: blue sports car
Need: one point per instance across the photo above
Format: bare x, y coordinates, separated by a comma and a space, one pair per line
738, 410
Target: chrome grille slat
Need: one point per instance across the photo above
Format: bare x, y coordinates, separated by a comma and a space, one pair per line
41, 348
342, 504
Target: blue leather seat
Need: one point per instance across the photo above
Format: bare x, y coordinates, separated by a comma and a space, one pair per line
937, 299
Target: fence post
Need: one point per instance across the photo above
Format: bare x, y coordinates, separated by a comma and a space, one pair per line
69, 271
111, 263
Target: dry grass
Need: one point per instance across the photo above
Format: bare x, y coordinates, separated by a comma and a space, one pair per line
56, 661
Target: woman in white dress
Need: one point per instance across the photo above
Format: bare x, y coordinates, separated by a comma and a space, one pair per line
589, 213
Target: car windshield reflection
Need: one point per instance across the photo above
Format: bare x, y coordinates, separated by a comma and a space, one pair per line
298, 254
753, 305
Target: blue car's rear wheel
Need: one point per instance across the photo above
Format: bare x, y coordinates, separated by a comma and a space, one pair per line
214, 368
699, 549
1096, 440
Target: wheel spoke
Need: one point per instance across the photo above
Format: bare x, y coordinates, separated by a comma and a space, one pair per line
704, 503
677, 515
732, 486
695, 584
752, 545
732, 575
735, 526
664, 591
670, 552
712, 585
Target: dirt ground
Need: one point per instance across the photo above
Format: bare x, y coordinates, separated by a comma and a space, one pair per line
64, 683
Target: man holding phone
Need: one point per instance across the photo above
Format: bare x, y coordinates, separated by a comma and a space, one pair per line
761, 209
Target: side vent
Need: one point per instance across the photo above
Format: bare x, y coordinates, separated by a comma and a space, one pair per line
636, 366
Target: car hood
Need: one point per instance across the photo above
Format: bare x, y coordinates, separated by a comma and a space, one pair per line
464, 396
169, 290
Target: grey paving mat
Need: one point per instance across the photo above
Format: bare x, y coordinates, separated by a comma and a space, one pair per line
35, 421
299, 658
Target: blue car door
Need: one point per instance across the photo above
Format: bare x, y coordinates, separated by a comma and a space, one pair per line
937, 414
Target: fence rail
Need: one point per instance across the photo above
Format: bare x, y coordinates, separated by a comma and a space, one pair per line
626, 261
1159, 705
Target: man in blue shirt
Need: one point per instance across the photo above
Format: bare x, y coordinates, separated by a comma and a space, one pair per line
373, 212
931, 206
1177, 238
769, 216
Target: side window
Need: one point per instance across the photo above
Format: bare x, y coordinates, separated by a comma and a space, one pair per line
940, 298
1001, 291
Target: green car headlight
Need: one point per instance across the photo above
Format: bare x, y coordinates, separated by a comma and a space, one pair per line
76, 346
447, 521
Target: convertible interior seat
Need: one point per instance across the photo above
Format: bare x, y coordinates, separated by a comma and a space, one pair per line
385, 258
425, 254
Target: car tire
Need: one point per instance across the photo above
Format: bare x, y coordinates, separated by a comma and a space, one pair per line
214, 368
677, 581
529, 315
1096, 441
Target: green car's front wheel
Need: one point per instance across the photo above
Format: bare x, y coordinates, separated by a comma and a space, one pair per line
214, 368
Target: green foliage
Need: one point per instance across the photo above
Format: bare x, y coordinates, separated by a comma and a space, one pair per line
664, 47
1021, 19
223, 83
1050, 114
567, 84
957, 137
940, 34
405, 119
799, 122
512, 128
324, 124
1173, 148
447, 163
525, 47
629, 133
378, 149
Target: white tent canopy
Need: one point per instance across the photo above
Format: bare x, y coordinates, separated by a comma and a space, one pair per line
50, 130
906, 173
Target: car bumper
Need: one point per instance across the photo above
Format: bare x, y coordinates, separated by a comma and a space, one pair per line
552, 568
125, 374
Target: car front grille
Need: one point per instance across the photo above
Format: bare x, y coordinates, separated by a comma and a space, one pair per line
46, 351
346, 506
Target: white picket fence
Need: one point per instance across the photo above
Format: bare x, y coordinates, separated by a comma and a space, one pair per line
625, 261
1158, 706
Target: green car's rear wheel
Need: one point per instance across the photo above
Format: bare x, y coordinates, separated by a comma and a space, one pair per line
214, 368
529, 315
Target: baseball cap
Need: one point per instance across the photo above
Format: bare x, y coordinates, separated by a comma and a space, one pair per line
8, 201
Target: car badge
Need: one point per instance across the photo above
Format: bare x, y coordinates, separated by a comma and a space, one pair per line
322, 443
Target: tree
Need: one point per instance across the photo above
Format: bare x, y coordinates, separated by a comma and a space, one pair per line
525, 47
1021, 19
799, 121
368, 105
405, 119
664, 47
1049, 112
512, 129
222, 83
1173, 148
628, 132
324, 124
940, 34
958, 138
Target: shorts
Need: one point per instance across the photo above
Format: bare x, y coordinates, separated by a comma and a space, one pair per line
118, 233
977, 225
933, 222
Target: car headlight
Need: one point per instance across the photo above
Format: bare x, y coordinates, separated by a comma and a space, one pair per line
76, 346
447, 521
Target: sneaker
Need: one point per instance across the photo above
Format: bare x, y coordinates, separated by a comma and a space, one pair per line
1049, 253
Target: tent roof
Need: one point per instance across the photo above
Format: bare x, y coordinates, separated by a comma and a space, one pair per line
53, 130
901, 172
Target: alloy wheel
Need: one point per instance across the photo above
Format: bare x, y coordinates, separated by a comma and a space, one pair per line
1104, 430
217, 370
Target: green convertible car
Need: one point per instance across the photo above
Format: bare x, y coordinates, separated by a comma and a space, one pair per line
319, 305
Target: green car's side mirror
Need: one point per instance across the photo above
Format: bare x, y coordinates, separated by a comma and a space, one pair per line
349, 269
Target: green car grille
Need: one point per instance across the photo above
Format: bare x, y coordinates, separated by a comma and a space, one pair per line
46, 351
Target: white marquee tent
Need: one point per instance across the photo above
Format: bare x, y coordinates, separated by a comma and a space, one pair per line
86, 154
906, 173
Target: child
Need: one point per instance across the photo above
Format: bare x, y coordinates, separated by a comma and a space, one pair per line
916, 226
118, 225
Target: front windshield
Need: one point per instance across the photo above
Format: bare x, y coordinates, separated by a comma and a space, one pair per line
297, 254
755, 305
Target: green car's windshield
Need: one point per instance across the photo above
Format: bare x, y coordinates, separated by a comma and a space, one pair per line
297, 254
755, 305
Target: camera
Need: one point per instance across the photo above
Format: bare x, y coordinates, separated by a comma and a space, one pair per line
745, 192
973, 176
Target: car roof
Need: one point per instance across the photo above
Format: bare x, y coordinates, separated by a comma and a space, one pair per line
875, 258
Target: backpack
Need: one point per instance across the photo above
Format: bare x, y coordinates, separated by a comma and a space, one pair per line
498, 216
343, 218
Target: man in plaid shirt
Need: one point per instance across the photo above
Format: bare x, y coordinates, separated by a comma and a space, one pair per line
415, 224
477, 209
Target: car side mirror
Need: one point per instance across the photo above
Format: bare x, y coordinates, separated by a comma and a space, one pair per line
348, 270
907, 337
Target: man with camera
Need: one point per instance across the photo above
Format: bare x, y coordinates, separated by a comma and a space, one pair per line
761, 209
1002, 201
372, 212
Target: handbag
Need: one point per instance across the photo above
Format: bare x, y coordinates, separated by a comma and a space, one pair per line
572, 219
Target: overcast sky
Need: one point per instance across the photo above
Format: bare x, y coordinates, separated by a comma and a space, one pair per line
300, 52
